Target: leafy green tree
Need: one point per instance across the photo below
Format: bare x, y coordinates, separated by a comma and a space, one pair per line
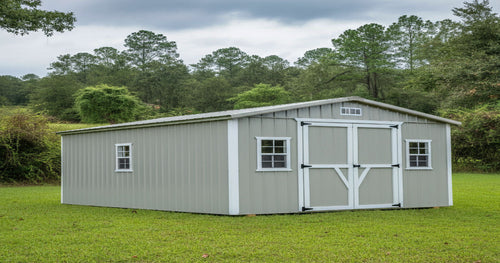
15, 91
445, 30
440, 33
225, 62
63, 65
254, 72
10, 88
365, 48
30, 77
474, 14
162, 85
271, 69
408, 36
324, 79
261, 95
23, 16
111, 68
313, 56
84, 64
276, 67
144, 47
476, 143
110, 57
210, 94
54, 95
468, 68
105, 103
83, 61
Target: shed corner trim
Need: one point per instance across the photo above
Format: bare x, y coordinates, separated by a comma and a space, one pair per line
448, 164
232, 167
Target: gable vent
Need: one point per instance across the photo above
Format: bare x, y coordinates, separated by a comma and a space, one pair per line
350, 111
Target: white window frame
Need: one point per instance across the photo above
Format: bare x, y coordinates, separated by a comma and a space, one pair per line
348, 111
130, 157
260, 154
429, 154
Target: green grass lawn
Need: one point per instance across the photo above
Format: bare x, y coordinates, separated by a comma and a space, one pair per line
34, 227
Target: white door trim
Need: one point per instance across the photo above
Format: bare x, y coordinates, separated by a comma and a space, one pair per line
347, 122
352, 158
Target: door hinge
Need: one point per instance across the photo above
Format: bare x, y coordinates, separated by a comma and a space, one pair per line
398, 205
305, 166
394, 126
395, 165
306, 208
356, 165
302, 123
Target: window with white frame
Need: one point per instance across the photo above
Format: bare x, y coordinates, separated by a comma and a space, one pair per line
418, 154
273, 154
123, 157
350, 111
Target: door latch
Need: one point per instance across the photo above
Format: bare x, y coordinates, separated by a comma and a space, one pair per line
356, 165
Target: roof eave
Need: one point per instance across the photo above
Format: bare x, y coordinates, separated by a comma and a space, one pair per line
292, 106
137, 126
404, 110
347, 99
265, 110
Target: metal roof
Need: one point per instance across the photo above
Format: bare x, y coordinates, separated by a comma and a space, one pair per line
234, 114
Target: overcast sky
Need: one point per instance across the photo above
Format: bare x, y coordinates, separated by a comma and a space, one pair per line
286, 28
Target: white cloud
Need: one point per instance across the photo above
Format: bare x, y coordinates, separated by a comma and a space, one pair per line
262, 28
261, 37
34, 53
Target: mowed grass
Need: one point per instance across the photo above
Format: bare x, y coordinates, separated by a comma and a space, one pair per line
35, 227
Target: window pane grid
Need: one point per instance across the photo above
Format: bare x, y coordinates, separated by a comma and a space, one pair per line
418, 154
273, 153
123, 158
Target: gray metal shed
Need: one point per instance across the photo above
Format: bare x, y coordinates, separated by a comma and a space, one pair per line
343, 153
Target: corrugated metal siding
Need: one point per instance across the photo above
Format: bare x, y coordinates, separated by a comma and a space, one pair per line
266, 192
277, 192
177, 168
426, 188
332, 111
184, 167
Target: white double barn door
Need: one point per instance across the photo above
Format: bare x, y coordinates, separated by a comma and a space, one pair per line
350, 166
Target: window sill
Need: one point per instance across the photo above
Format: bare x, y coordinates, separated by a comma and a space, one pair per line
274, 170
418, 168
123, 171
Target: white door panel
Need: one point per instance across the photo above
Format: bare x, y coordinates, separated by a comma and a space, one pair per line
349, 166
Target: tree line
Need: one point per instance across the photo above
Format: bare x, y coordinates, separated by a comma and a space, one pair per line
422, 65
448, 68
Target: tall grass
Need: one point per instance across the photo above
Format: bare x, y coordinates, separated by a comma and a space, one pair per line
35, 227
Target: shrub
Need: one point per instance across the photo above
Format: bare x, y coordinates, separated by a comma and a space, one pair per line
29, 149
105, 103
261, 95
476, 144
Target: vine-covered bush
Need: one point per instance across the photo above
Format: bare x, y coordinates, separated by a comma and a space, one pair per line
29, 149
476, 143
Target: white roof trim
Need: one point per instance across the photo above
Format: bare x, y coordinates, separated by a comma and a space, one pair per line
234, 114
